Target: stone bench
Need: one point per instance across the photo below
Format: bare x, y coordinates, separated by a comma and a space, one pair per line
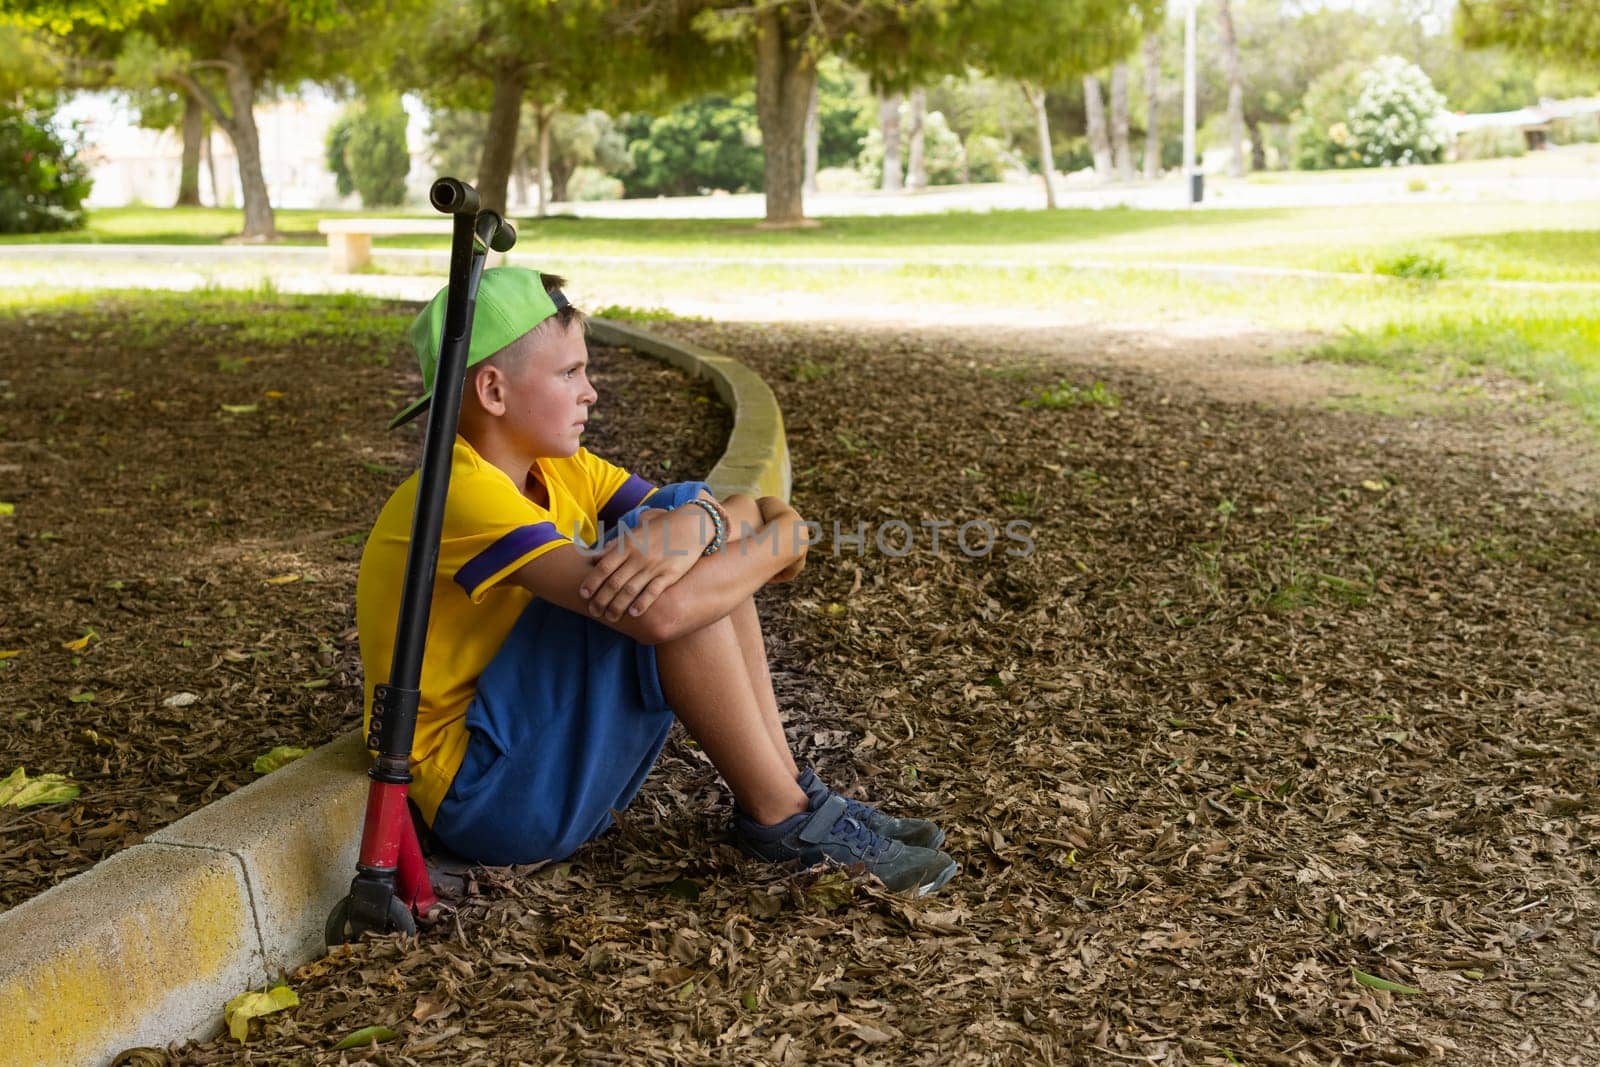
350, 240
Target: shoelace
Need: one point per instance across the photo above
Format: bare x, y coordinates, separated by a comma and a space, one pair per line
858, 811
850, 829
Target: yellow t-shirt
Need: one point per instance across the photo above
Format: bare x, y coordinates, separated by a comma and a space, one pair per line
491, 529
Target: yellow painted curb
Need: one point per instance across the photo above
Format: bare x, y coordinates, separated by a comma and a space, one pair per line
297, 832
142, 949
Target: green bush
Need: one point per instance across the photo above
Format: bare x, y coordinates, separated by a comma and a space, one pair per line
845, 113
42, 181
334, 149
1320, 131
592, 183
366, 151
1491, 143
710, 143
1579, 129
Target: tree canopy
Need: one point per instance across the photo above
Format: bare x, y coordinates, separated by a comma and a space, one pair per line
1566, 31
222, 53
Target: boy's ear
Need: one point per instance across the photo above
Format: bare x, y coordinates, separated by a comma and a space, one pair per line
488, 386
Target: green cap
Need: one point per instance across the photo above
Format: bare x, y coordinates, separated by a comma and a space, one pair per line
511, 301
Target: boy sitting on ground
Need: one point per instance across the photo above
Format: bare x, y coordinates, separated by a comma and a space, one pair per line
555, 666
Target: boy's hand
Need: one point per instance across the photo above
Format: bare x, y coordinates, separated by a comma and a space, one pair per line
791, 530
645, 562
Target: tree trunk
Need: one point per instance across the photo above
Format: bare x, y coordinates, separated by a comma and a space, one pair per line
1258, 146
1120, 152
545, 118
259, 224
916, 161
194, 130
1095, 112
813, 142
786, 73
1047, 163
1230, 59
1152, 95
889, 123
211, 169
500, 142
560, 178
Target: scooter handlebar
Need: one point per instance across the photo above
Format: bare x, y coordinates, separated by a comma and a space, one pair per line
453, 197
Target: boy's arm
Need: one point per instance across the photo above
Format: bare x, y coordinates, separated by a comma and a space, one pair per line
712, 588
663, 547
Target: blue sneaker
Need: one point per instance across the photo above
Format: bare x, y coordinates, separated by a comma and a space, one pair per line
826, 834
919, 832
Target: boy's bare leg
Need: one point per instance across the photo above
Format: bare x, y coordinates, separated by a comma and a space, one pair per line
705, 679
747, 624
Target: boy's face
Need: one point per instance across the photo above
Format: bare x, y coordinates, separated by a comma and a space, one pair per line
547, 393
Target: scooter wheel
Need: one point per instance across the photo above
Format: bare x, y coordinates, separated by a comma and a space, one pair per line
340, 930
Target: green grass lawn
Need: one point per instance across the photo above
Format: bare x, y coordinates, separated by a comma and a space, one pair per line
1504, 240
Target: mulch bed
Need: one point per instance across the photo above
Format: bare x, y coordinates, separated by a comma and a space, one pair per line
1279, 697
198, 505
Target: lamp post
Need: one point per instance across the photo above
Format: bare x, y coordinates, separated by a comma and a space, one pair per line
1193, 180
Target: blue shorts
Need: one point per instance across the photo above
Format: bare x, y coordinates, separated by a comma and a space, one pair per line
568, 719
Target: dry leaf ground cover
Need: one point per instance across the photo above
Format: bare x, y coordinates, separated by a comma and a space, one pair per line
192, 479
1288, 709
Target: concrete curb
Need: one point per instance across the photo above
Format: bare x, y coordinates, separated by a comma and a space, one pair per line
147, 946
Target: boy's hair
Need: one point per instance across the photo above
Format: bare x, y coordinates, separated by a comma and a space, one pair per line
565, 314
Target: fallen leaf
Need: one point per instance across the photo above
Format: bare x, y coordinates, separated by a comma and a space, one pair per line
432, 1006
7, 509
1372, 981
10, 653
81, 643
20, 791
179, 700
82, 698
283, 579
246, 1006
831, 891
277, 757
1373, 486
239, 409
275, 394
367, 1035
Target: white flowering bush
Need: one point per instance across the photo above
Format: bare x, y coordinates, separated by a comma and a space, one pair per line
1398, 116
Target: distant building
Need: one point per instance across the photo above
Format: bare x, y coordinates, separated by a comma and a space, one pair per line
131, 165
1534, 123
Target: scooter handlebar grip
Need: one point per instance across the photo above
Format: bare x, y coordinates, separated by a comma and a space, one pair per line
504, 237
453, 197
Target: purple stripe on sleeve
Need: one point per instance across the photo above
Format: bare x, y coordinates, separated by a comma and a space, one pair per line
627, 497
504, 552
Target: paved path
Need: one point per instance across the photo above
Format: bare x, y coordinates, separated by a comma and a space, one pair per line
301, 268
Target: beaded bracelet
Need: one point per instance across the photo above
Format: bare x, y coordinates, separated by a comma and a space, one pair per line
719, 524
